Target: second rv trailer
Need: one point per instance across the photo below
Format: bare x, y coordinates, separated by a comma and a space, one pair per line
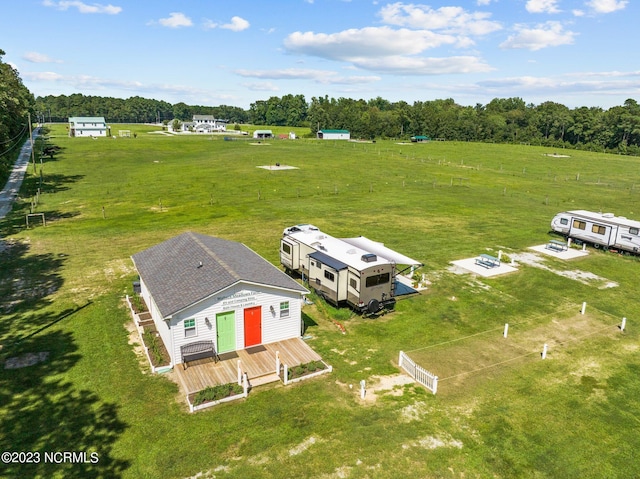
602, 230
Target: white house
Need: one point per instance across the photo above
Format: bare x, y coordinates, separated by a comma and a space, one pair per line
208, 124
202, 288
87, 126
334, 135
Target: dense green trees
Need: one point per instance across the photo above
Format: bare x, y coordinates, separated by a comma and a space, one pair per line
132, 110
501, 120
16, 103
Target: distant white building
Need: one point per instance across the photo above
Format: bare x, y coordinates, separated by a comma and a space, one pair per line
262, 134
334, 135
87, 126
208, 124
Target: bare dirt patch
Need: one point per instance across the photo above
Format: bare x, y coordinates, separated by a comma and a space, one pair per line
26, 360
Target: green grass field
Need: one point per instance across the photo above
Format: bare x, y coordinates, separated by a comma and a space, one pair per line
573, 415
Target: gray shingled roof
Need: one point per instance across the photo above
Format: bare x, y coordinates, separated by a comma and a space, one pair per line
171, 270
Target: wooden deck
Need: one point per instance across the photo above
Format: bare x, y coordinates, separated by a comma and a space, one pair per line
258, 362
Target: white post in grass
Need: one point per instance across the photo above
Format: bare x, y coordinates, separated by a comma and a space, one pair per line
278, 362
506, 329
499, 255
584, 246
245, 383
286, 375
584, 306
623, 325
544, 351
569, 243
363, 391
239, 374
435, 384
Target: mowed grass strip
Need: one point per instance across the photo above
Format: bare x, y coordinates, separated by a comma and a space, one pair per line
62, 287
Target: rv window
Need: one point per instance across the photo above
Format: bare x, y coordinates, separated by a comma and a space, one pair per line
598, 229
329, 275
580, 225
319, 264
564, 221
377, 279
353, 283
286, 248
189, 328
633, 231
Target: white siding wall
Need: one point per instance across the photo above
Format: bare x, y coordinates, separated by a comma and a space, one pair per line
237, 298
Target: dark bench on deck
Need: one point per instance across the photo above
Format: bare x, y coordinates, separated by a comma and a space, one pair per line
198, 350
557, 245
488, 261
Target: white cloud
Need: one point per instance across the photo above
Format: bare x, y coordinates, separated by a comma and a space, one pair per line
319, 76
42, 76
209, 24
606, 6
176, 20
454, 20
237, 24
35, 57
262, 86
365, 42
83, 7
549, 34
403, 65
542, 6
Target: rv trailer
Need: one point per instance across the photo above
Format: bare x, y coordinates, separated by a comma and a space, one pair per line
354, 271
602, 230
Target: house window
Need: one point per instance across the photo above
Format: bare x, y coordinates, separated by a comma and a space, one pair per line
598, 229
579, 225
633, 231
189, 328
329, 275
564, 221
284, 309
377, 279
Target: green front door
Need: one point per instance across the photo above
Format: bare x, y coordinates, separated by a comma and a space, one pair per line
226, 331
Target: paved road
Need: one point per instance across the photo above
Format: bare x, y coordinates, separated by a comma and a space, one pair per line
10, 191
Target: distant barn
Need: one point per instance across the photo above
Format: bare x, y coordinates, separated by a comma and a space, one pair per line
263, 134
334, 135
419, 139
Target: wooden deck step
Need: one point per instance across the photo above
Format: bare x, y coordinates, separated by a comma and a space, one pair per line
265, 379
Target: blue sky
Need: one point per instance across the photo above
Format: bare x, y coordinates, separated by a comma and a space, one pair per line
574, 52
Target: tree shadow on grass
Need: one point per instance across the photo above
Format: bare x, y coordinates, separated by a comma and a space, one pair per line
43, 412
26, 283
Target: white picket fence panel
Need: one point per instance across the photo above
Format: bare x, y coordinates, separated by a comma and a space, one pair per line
420, 374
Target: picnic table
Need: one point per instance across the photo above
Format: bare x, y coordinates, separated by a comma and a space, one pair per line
487, 261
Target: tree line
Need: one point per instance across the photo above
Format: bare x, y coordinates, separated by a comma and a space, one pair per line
502, 120
16, 103
131, 110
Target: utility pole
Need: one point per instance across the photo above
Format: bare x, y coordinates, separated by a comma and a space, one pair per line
33, 156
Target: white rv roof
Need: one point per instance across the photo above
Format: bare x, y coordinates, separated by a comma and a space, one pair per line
381, 250
336, 248
606, 218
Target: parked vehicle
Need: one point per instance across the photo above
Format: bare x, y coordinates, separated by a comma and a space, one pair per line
602, 230
354, 271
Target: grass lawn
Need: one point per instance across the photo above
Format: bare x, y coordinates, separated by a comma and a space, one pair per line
573, 415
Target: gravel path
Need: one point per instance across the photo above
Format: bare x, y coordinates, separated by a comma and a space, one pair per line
10, 191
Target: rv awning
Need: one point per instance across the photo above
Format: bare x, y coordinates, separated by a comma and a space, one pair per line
328, 260
381, 250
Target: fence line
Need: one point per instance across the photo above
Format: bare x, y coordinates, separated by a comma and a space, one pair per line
424, 377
